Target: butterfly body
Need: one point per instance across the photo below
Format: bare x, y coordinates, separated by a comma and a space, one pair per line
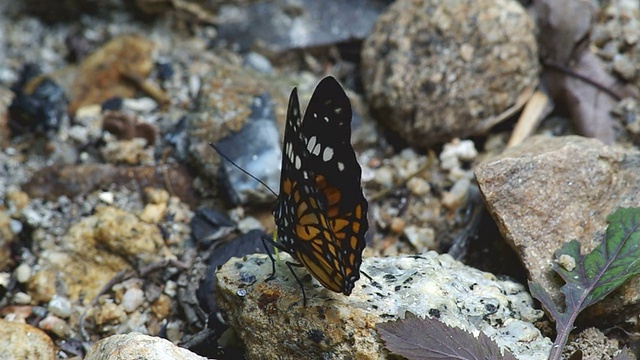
321, 212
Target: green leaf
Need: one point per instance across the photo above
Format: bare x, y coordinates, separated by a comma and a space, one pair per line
588, 279
607, 266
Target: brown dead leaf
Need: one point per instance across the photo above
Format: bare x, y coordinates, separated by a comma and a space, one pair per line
576, 79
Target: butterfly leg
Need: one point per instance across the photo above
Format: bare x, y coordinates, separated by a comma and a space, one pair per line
290, 265
265, 240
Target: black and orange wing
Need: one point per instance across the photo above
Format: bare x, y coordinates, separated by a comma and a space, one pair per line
321, 213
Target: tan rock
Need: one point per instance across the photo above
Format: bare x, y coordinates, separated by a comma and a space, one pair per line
548, 191
22, 341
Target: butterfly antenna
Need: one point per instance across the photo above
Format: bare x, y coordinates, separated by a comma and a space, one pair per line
241, 169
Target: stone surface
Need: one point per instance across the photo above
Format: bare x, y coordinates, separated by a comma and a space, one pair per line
593, 344
277, 26
135, 346
7, 238
548, 191
272, 322
94, 250
108, 71
22, 341
436, 70
224, 109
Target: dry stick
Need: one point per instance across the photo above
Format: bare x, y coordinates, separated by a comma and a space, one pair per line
530, 118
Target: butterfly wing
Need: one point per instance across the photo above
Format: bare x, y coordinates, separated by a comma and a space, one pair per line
321, 211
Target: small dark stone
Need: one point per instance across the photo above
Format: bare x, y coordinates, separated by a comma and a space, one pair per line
165, 70
315, 335
114, 103
39, 105
209, 225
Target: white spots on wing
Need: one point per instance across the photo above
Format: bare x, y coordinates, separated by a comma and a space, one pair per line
337, 111
340, 165
313, 146
298, 163
315, 115
288, 149
296, 112
327, 154
326, 119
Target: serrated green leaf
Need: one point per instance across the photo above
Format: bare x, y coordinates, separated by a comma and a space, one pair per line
607, 266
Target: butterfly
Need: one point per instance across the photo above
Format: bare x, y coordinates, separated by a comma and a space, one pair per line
321, 212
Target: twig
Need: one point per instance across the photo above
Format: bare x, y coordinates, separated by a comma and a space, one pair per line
533, 112
564, 69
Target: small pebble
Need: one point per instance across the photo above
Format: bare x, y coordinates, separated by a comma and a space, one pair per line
15, 226
132, 299
624, 67
54, 325
162, 307
21, 298
60, 306
397, 225
454, 198
567, 262
418, 186
106, 197
153, 213
5, 277
384, 176
23, 273
258, 62
141, 105
155, 196
423, 239
170, 288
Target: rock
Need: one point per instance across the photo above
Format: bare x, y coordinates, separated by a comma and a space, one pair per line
39, 105
22, 341
95, 249
437, 70
269, 316
279, 25
132, 299
73, 180
60, 306
108, 71
225, 108
7, 239
548, 191
56, 326
138, 346
256, 149
593, 344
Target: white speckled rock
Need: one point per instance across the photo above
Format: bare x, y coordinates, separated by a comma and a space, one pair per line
135, 346
269, 316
